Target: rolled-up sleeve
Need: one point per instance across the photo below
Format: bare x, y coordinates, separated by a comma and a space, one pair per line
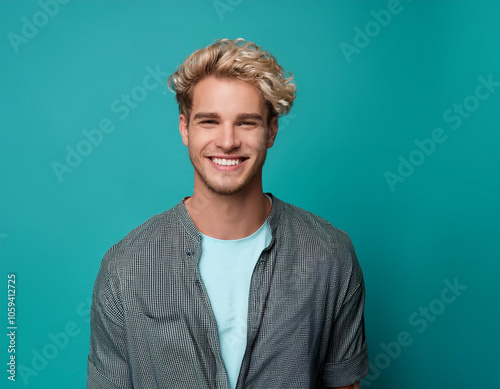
107, 365
347, 357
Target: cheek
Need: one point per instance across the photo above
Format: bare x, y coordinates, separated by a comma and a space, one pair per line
257, 141
196, 141
261, 143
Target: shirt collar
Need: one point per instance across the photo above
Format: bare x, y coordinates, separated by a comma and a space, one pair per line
183, 215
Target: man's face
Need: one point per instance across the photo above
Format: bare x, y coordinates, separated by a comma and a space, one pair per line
228, 135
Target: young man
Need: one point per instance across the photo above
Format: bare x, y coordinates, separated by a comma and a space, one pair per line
232, 287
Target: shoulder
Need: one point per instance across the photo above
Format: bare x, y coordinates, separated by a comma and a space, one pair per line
317, 244
317, 241
140, 239
305, 225
126, 259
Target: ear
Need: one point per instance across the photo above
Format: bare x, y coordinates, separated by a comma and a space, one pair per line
273, 131
183, 129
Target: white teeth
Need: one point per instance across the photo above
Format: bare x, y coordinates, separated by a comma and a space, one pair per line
226, 162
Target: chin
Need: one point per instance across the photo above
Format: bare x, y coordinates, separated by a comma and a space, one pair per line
225, 190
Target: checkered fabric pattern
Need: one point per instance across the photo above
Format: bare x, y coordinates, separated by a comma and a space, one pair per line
152, 325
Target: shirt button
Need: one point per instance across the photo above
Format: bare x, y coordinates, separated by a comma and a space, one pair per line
189, 253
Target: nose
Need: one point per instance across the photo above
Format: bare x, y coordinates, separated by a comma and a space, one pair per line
227, 137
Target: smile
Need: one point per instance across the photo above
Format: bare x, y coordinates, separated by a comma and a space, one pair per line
226, 162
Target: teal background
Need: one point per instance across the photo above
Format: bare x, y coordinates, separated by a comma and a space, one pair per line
350, 123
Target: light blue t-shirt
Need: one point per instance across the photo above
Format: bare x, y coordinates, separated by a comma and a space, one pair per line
226, 267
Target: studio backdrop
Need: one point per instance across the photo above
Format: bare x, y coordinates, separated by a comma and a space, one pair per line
394, 138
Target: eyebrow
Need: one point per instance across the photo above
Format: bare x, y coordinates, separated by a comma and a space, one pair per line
215, 115
206, 115
254, 116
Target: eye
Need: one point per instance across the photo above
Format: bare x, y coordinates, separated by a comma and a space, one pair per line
248, 123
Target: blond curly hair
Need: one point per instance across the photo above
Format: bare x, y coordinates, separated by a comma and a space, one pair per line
238, 59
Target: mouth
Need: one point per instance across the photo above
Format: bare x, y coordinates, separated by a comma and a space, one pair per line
227, 164
227, 161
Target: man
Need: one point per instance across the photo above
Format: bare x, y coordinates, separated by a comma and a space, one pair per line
232, 287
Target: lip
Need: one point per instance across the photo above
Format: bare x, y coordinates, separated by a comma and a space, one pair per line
227, 168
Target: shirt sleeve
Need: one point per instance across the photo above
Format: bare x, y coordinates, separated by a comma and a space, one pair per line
107, 364
347, 356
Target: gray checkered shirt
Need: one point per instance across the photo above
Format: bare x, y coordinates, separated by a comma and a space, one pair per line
152, 325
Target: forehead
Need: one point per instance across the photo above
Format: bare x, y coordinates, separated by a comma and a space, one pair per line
225, 95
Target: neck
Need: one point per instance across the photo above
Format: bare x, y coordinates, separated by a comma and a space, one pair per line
228, 217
